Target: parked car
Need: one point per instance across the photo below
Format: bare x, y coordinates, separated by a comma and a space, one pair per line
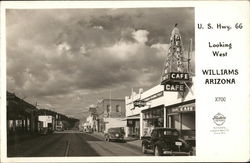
116, 133
88, 130
59, 126
165, 141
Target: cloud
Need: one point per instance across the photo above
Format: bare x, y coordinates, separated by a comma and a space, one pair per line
162, 49
123, 50
83, 49
63, 47
141, 36
68, 57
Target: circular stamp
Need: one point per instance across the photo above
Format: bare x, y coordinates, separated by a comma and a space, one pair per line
219, 119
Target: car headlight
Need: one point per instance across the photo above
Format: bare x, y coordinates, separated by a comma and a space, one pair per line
117, 135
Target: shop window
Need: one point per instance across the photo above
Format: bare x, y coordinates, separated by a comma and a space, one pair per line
160, 122
108, 108
19, 123
155, 113
175, 121
118, 108
11, 123
188, 121
130, 123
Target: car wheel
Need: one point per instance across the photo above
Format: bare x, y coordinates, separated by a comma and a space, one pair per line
143, 148
157, 151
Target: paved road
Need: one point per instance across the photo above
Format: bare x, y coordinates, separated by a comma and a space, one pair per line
70, 144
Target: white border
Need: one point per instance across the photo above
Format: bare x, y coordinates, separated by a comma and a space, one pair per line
101, 4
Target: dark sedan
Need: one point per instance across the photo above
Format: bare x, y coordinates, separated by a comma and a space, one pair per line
165, 141
115, 134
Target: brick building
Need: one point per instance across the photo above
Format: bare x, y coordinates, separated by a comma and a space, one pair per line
110, 113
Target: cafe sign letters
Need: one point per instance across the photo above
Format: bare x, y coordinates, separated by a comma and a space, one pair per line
178, 76
175, 80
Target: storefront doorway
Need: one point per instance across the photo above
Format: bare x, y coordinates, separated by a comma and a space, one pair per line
152, 118
133, 128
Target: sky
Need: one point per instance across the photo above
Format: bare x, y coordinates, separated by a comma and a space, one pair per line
66, 59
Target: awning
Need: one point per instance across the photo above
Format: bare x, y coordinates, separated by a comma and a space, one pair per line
180, 104
182, 109
153, 108
132, 117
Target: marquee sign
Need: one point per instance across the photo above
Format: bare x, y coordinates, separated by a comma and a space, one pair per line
175, 74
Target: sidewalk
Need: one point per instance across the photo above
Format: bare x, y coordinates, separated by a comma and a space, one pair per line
12, 139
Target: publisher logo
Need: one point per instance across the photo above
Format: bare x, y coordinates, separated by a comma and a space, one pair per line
219, 119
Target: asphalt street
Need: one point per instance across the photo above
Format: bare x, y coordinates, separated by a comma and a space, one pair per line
68, 144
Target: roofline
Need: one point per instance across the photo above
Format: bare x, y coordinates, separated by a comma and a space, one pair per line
114, 99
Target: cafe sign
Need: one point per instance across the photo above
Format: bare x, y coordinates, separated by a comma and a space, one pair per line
188, 108
179, 76
174, 81
176, 76
177, 87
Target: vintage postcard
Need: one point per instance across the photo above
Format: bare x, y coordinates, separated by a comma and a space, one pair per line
118, 81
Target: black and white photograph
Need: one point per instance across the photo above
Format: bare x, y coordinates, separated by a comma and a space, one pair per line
100, 82
124, 81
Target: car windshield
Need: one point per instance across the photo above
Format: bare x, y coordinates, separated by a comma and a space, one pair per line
115, 130
169, 133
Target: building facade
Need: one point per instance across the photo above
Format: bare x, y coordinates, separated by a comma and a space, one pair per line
133, 115
171, 103
161, 109
91, 122
110, 113
21, 115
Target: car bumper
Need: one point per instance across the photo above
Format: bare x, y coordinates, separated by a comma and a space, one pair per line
117, 138
176, 153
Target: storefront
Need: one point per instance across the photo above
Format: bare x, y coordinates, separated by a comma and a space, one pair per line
182, 117
152, 118
20, 115
133, 126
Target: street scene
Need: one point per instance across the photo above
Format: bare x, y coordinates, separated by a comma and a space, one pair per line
100, 82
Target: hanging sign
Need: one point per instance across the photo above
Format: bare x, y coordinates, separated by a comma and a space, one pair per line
179, 76
176, 76
139, 103
174, 87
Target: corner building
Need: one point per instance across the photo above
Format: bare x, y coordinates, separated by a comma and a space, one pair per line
162, 109
110, 114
